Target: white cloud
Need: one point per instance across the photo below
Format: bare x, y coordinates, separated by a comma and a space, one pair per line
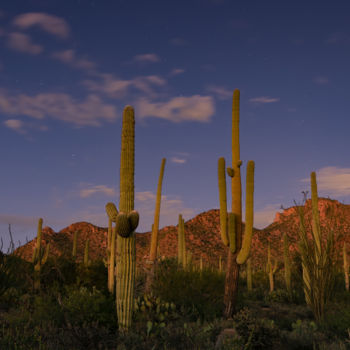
176, 71
193, 108
170, 208
60, 106
51, 24
178, 160
320, 80
97, 189
332, 181
119, 88
264, 99
69, 57
23, 43
265, 216
221, 92
14, 124
148, 57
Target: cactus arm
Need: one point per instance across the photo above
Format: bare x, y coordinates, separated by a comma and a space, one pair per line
154, 240
111, 262
223, 201
249, 214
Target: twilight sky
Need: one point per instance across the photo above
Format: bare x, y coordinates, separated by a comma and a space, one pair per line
68, 68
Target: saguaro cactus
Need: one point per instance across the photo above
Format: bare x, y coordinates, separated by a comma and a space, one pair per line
126, 223
346, 267
39, 256
249, 275
86, 253
181, 245
287, 269
271, 268
231, 223
155, 227
74, 250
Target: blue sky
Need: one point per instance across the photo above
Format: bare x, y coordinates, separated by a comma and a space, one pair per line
67, 69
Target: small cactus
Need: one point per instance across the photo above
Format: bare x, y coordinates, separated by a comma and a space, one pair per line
271, 268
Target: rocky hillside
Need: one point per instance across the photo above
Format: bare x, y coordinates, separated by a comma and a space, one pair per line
202, 236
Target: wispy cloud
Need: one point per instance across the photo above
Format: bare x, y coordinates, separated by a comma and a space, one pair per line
178, 42
19, 220
23, 43
176, 71
91, 111
265, 216
49, 23
320, 80
333, 181
146, 58
220, 92
92, 190
264, 99
15, 124
178, 160
178, 109
69, 57
119, 88
337, 38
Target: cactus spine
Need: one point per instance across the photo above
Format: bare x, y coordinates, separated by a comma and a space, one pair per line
231, 223
346, 268
127, 221
40, 255
271, 269
287, 269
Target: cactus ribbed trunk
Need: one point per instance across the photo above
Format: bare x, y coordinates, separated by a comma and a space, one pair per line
126, 248
249, 275
287, 270
111, 262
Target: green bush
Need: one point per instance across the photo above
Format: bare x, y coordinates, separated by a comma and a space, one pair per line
198, 294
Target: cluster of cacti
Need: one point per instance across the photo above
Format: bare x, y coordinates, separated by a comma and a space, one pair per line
155, 227
271, 268
126, 223
231, 223
40, 255
181, 242
346, 267
317, 259
287, 268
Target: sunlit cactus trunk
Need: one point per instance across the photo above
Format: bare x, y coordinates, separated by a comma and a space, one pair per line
127, 221
155, 227
271, 269
231, 223
181, 243
346, 268
287, 269
249, 275
39, 256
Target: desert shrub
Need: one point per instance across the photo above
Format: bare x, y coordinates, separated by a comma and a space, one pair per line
199, 294
255, 333
95, 275
81, 306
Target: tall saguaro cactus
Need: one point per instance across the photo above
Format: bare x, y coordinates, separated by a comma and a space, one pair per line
271, 268
126, 223
40, 255
287, 269
231, 223
346, 267
181, 243
155, 227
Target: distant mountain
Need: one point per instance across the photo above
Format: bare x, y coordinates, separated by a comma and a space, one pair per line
202, 236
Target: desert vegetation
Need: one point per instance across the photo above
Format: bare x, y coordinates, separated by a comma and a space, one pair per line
284, 287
